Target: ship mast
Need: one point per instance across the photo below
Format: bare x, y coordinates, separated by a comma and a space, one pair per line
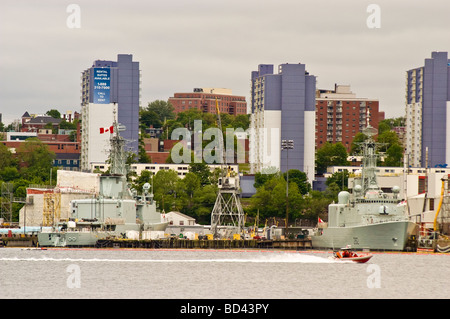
370, 157
117, 153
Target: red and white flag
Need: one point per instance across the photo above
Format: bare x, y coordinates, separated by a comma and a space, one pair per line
107, 129
320, 220
402, 203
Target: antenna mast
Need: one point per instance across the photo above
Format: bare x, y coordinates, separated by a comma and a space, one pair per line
117, 154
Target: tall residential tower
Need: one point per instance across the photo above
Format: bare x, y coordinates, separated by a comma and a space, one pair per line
108, 88
282, 108
428, 112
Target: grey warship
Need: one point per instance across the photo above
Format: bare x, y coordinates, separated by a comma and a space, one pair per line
112, 214
368, 218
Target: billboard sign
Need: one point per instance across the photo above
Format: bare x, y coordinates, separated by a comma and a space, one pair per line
102, 85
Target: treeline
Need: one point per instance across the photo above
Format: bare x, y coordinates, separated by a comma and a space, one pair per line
32, 163
196, 193
193, 195
272, 198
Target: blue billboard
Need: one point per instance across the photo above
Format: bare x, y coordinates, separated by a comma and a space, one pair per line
102, 85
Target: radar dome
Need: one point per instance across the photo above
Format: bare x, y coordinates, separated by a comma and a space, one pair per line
343, 197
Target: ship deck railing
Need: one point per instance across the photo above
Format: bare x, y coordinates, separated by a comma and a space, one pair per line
378, 201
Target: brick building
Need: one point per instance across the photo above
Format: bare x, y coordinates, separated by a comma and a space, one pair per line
204, 99
340, 115
67, 153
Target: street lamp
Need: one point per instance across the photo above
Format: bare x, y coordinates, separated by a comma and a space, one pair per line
287, 145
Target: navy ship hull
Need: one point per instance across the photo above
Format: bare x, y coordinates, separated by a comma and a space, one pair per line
390, 236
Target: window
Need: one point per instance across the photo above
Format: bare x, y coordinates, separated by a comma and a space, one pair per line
422, 183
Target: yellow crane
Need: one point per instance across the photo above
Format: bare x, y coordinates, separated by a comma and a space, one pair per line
435, 223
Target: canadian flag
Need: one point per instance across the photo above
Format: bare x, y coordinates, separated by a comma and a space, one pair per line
107, 129
402, 203
320, 220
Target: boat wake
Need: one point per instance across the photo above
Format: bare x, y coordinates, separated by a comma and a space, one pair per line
277, 258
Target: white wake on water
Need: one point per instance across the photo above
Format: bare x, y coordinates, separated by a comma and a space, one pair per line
265, 258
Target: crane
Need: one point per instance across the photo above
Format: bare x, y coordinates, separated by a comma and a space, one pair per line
227, 208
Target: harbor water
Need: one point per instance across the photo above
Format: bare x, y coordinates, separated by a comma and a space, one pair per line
217, 274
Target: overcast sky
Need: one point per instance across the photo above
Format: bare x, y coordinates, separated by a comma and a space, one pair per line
206, 43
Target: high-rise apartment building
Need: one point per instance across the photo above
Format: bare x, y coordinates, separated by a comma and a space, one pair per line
427, 137
340, 115
204, 99
108, 87
282, 108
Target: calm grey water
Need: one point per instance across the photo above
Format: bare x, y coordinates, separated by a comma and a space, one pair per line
207, 274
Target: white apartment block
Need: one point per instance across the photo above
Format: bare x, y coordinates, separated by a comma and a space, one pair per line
413, 118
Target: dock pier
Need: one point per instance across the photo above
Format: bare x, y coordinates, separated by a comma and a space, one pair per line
179, 243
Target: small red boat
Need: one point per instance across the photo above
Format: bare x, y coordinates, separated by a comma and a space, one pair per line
348, 254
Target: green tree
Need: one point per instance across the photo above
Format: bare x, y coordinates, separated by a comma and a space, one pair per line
330, 155
165, 184
202, 171
9, 173
149, 118
6, 157
35, 160
64, 125
340, 179
186, 189
142, 154
316, 205
262, 178
163, 109
383, 127
356, 143
204, 200
394, 155
139, 181
54, 113
270, 199
388, 138
300, 178
191, 183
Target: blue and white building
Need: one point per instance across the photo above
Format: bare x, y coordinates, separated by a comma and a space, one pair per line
428, 112
282, 108
107, 87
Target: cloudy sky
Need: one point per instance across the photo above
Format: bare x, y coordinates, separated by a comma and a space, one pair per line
182, 44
